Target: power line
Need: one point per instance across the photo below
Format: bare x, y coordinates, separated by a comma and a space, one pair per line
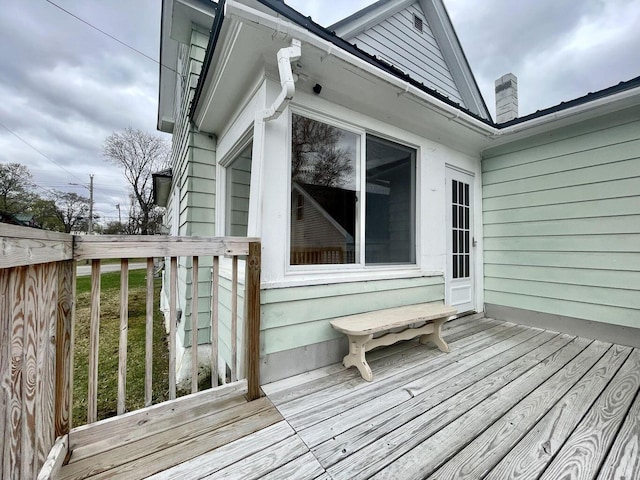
34, 148
110, 36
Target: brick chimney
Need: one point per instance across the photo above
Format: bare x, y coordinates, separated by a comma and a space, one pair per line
506, 98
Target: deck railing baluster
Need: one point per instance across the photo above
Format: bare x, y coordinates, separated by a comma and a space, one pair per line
215, 287
194, 325
94, 343
172, 326
124, 329
148, 359
234, 319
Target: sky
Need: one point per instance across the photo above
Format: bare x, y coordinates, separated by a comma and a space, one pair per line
65, 87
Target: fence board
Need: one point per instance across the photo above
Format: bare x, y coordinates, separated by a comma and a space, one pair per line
94, 343
148, 359
122, 246
215, 288
5, 365
64, 346
124, 330
194, 325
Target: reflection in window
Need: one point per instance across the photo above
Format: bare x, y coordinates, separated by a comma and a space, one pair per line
323, 193
390, 206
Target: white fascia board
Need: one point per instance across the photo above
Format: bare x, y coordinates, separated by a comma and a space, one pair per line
275, 25
441, 26
359, 25
585, 111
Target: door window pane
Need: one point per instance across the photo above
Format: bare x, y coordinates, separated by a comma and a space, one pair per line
390, 203
323, 193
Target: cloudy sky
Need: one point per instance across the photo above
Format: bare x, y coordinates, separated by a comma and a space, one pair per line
64, 87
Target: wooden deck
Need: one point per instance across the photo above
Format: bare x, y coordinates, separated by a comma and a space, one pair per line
507, 402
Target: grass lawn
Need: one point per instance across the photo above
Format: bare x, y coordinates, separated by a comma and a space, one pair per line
109, 346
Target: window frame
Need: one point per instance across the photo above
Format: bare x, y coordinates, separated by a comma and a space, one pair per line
360, 177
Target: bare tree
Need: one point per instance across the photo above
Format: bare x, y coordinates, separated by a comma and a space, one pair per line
72, 210
316, 155
15, 184
139, 154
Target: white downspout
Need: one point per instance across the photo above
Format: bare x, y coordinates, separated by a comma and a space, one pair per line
285, 57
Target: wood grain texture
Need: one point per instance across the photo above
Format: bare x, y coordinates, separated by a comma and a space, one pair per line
425, 443
28, 246
64, 345
228, 454
479, 456
422, 393
122, 246
33, 302
5, 367
530, 456
585, 450
302, 468
445, 404
319, 406
173, 314
94, 343
623, 460
124, 330
215, 302
383, 320
148, 342
53, 464
194, 324
115, 430
252, 320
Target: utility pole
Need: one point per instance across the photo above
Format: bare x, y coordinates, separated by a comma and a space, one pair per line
119, 216
90, 228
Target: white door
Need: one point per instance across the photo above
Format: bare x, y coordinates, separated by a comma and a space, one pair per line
459, 277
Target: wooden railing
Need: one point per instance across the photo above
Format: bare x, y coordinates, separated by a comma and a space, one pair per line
37, 286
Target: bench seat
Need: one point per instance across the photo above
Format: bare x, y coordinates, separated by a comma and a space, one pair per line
361, 327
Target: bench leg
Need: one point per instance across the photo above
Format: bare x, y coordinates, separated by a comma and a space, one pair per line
356, 357
436, 336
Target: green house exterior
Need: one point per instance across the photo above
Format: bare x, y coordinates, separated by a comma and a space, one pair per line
562, 228
555, 196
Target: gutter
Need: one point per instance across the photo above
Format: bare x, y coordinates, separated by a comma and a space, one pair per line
276, 25
216, 28
285, 57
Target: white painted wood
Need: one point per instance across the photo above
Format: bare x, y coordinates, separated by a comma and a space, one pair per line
459, 292
361, 327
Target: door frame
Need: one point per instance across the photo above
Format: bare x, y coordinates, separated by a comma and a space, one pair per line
455, 173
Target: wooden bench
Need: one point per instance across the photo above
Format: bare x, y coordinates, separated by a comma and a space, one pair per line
360, 329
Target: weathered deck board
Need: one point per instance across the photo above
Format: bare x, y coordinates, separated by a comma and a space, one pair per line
532, 454
586, 448
508, 402
418, 387
623, 460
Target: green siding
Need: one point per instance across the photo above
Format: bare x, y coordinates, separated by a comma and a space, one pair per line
299, 316
561, 219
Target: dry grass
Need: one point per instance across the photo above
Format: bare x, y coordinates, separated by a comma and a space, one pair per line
109, 346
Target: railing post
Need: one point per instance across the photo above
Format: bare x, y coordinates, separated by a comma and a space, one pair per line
64, 346
252, 319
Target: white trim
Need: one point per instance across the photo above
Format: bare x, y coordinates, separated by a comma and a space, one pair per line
358, 25
305, 279
360, 265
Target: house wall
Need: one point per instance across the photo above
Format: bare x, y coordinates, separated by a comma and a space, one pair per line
298, 301
239, 181
191, 211
416, 53
562, 228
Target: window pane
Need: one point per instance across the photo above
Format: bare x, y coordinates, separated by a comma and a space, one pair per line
237, 201
454, 190
455, 266
323, 193
454, 214
390, 207
466, 194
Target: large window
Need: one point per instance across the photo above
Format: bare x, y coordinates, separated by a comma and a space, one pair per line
331, 222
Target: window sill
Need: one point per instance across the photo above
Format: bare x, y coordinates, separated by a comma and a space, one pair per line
327, 277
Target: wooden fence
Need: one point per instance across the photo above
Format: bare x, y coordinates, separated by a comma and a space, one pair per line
37, 288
